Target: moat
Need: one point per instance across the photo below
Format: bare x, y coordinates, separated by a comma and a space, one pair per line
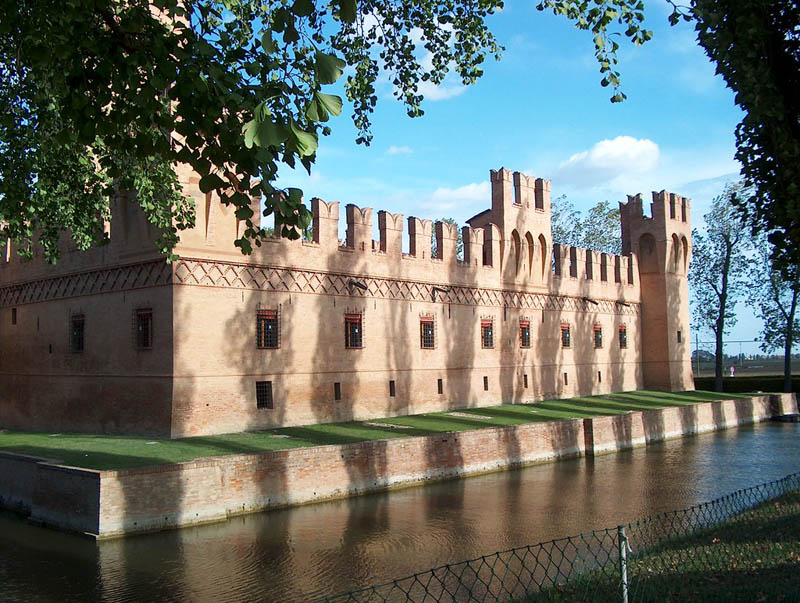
300, 553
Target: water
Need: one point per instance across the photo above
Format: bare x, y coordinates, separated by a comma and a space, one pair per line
296, 554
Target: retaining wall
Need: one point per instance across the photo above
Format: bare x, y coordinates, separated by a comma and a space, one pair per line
110, 503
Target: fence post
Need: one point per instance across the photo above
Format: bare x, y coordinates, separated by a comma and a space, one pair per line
623, 561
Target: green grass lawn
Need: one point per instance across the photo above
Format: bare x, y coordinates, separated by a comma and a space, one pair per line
120, 452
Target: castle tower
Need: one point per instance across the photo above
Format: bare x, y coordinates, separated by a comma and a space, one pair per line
662, 244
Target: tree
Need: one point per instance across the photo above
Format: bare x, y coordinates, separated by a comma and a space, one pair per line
107, 95
599, 230
775, 298
459, 239
719, 263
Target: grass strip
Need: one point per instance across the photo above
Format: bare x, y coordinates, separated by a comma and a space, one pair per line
121, 452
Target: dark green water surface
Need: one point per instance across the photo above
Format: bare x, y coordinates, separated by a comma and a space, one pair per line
297, 554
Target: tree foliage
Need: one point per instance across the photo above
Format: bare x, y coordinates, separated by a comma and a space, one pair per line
718, 269
598, 230
459, 238
98, 96
775, 300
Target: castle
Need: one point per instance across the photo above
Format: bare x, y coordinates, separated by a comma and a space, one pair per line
116, 340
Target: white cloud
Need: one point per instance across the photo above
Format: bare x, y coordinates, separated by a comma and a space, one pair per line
607, 160
446, 90
395, 150
444, 198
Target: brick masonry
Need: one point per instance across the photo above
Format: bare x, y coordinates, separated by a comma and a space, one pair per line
112, 503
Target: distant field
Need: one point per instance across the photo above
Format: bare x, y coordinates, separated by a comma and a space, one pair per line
769, 367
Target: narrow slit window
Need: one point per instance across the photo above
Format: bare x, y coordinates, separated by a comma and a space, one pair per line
440, 386
263, 394
13, 316
599, 377
485, 384
623, 337
679, 336
524, 334
487, 334
525, 381
144, 328
565, 335
427, 337
391, 389
353, 333
337, 391
76, 333
267, 329
566, 379
598, 336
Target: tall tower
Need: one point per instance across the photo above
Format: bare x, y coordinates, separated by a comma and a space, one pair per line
662, 244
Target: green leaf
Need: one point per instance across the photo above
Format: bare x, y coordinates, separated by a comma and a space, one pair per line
322, 106
211, 182
328, 68
264, 134
347, 10
303, 8
267, 43
305, 142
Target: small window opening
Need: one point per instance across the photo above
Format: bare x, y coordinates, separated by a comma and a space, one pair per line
487, 334
391, 388
426, 334
353, 334
566, 379
623, 337
337, 391
144, 328
565, 336
598, 336
76, 334
485, 384
683, 210
525, 381
679, 336
263, 394
267, 329
524, 334
13, 316
599, 377
440, 386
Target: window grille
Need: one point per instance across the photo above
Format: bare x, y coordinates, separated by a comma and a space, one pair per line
353, 333
565, 335
263, 394
267, 329
144, 328
525, 333
598, 336
337, 391
427, 333
487, 334
76, 333
623, 337
486, 384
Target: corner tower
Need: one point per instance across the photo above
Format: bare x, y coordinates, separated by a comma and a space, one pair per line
662, 244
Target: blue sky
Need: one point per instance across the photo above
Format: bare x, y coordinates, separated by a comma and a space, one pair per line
541, 110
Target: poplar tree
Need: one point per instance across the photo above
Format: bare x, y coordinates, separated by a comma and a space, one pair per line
718, 270
775, 300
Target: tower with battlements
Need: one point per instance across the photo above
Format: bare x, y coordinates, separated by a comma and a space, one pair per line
662, 243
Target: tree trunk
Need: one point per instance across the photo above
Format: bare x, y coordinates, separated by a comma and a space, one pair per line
787, 347
718, 384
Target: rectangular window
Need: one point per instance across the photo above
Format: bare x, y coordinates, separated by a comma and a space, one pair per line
599, 377
353, 334
337, 391
440, 386
144, 328
487, 334
391, 389
679, 336
263, 394
486, 384
76, 332
426, 333
13, 316
267, 329
566, 379
565, 338
524, 334
623, 337
598, 336
525, 381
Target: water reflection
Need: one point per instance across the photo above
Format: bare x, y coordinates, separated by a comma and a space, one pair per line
324, 548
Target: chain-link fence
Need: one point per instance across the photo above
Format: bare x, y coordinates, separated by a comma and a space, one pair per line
743, 546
